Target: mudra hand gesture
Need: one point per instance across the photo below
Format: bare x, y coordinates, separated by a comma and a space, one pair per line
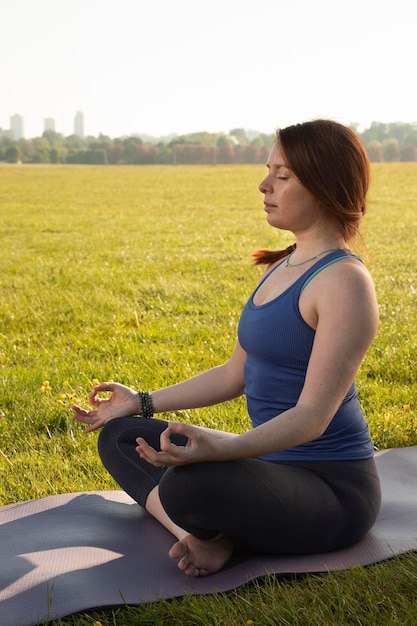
122, 402
201, 446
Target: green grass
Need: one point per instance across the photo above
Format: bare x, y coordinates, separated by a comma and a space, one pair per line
138, 274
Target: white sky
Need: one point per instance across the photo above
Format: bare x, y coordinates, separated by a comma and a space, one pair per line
162, 66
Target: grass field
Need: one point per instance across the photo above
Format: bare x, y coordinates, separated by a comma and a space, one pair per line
138, 274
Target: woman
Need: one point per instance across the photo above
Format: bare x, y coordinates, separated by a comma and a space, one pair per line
303, 479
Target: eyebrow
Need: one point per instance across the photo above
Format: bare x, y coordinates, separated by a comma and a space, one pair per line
277, 165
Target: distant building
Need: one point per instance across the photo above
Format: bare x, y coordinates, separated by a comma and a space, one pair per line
6, 133
16, 126
49, 123
79, 124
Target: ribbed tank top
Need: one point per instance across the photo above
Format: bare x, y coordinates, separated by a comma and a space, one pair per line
278, 343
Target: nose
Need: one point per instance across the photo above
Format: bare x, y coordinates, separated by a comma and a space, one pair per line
265, 185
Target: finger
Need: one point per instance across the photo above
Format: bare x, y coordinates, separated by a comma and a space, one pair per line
181, 429
92, 396
146, 451
83, 414
105, 387
149, 454
79, 413
93, 427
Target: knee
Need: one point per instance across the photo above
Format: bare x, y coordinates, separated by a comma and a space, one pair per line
110, 435
106, 438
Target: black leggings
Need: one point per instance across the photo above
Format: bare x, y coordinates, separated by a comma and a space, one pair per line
270, 507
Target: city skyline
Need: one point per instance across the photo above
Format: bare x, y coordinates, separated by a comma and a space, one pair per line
16, 127
139, 67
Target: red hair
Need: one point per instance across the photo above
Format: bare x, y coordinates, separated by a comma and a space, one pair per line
331, 162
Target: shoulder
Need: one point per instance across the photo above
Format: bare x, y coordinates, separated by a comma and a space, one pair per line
343, 289
346, 276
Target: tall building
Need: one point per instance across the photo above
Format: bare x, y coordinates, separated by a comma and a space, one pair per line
16, 126
49, 123
79, 124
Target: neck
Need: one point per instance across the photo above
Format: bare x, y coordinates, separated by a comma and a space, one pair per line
310, 245
310, 251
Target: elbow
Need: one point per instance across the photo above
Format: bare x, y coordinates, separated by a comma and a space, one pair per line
315, 420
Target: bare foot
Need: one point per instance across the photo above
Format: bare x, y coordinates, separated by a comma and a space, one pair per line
199, 557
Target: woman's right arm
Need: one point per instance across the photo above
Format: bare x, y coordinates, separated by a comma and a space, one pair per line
213, 386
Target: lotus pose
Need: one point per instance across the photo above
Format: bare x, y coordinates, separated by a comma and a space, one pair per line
302, 479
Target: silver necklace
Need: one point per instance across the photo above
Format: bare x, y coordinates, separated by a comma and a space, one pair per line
288, 264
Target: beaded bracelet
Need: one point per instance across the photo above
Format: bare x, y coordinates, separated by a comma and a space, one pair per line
145, 404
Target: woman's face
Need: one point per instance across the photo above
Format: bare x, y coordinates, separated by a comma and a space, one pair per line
288, 205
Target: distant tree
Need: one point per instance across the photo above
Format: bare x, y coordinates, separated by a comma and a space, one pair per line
74, 142
5, 142
408, 153
264, 154
27, 150
391, 150
42, 150
140, 155
131, 149
12, 154
115, 154
225, 140
252, 154
240, 135
374, 150
165, 153
54, 139
399, 131
258, 142
193, 154
225, 154
54, 155
411, 138
240, 154
268, 140
376, 132
202, 138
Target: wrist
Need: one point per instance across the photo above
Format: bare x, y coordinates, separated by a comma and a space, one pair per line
145, 404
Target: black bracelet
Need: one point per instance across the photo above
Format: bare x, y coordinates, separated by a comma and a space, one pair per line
145, 404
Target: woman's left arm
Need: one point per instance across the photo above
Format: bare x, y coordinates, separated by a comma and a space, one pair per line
341, 304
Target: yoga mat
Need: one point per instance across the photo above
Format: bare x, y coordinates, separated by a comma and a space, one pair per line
73, 552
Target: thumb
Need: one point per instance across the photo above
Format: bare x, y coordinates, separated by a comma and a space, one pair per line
180, 428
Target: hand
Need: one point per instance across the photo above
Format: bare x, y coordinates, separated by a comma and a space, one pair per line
122, 402
201, 446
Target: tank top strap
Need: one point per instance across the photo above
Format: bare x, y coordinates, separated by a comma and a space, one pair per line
339, 255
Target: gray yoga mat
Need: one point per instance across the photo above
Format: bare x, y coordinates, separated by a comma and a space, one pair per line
68, 553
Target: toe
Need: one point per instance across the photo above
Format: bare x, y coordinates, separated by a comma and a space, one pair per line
178, 550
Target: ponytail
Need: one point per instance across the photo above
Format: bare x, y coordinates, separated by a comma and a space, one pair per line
268, 257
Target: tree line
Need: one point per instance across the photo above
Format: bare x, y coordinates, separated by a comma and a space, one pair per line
384, 143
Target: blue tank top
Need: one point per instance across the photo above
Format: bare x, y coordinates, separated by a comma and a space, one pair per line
278, 343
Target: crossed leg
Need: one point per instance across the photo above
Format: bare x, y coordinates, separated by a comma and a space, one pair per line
195, 556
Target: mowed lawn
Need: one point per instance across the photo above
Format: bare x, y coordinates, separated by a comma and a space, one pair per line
139, 274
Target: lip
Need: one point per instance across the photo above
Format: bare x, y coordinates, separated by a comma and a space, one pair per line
268, 206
